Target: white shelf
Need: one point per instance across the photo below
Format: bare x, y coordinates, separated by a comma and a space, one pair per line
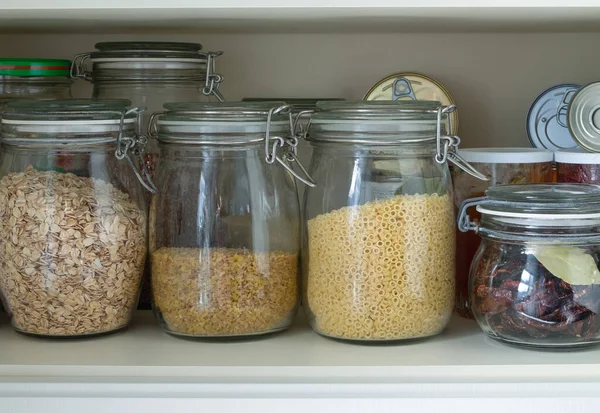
142, 363
305, 16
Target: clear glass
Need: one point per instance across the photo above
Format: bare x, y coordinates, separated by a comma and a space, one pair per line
467, 186
379, 247
14, 87
224, 242
583, 173
72, 234
520, 296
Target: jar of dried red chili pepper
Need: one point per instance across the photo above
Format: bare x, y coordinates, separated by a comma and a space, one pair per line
535, 279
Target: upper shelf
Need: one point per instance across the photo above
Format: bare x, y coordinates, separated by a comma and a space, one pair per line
295, 16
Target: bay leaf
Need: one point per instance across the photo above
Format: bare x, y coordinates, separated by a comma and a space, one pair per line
571, 264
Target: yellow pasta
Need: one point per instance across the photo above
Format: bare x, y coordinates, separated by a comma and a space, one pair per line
383, 270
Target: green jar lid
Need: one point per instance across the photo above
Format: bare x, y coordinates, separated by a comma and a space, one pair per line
34, 67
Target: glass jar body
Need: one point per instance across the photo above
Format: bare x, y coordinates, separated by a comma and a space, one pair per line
582, 173
224, 242
465, 187
34, 87
73, 239
523, 292
379, 247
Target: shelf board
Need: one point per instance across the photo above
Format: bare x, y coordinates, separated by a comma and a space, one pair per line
143, 352
288, 16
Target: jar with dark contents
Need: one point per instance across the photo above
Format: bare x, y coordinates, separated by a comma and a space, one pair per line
578, 167
502, 166
535, 280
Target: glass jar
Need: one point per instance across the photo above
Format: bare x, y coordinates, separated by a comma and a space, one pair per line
535, 279
379, 247
72, 222
502, 166
34, 79
578, 166
150, 74
224, 229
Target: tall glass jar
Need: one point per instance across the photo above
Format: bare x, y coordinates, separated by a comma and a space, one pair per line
224, 228
535, 280
34, 79
72, 221
379, 248
502, 166
150, 74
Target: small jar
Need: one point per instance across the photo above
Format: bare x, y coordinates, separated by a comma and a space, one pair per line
34, 79
502, 166
72, 222
535, 280
379, 248
224, 228
578, 166
150, 74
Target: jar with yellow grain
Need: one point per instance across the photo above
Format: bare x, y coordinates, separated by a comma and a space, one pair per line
379, 248
224, 227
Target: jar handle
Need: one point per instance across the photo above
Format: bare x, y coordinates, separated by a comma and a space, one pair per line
291, 157
446, 146
464, 221
78, 68
136, 145
213, 79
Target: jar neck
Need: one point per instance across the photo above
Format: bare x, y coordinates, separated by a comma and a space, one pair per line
42, 86
523, 230
139, 72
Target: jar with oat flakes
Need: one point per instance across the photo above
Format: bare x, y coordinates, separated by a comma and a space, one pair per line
380, 240
224, 227
72, 221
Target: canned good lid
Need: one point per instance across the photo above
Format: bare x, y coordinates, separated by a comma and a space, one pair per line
547, 118
34, 67
578, 157
413, 86
147, 50
584, 117
506, 155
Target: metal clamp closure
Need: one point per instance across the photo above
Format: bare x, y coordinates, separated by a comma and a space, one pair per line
464, 220
272, 143
213, 79
446, 145
78, 68
135, 145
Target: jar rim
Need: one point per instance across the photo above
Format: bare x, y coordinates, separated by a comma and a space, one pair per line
136, 49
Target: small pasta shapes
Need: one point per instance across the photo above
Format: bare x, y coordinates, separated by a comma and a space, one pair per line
383, 270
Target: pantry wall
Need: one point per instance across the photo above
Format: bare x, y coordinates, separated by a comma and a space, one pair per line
494, 77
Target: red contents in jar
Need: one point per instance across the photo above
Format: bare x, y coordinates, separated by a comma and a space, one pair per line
578, 173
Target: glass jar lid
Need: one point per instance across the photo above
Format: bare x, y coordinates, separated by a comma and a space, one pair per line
66, 121
147, 50
376, 122
219, 123
34, 67
535, 205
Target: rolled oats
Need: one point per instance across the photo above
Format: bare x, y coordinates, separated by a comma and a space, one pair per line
72, 252
224, 292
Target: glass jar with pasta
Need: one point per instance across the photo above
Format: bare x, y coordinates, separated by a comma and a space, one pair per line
380, 234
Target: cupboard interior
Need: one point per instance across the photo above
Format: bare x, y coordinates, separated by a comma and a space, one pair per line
494, 77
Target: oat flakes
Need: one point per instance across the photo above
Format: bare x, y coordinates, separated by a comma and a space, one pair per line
224, 292
72, 252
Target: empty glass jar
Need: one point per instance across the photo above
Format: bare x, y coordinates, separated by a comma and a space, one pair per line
34, 79
224, 233
535, 280
72, 221
380, 241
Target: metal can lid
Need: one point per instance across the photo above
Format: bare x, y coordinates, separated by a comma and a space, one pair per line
583, 117
413, 86
34, 67
547, 118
